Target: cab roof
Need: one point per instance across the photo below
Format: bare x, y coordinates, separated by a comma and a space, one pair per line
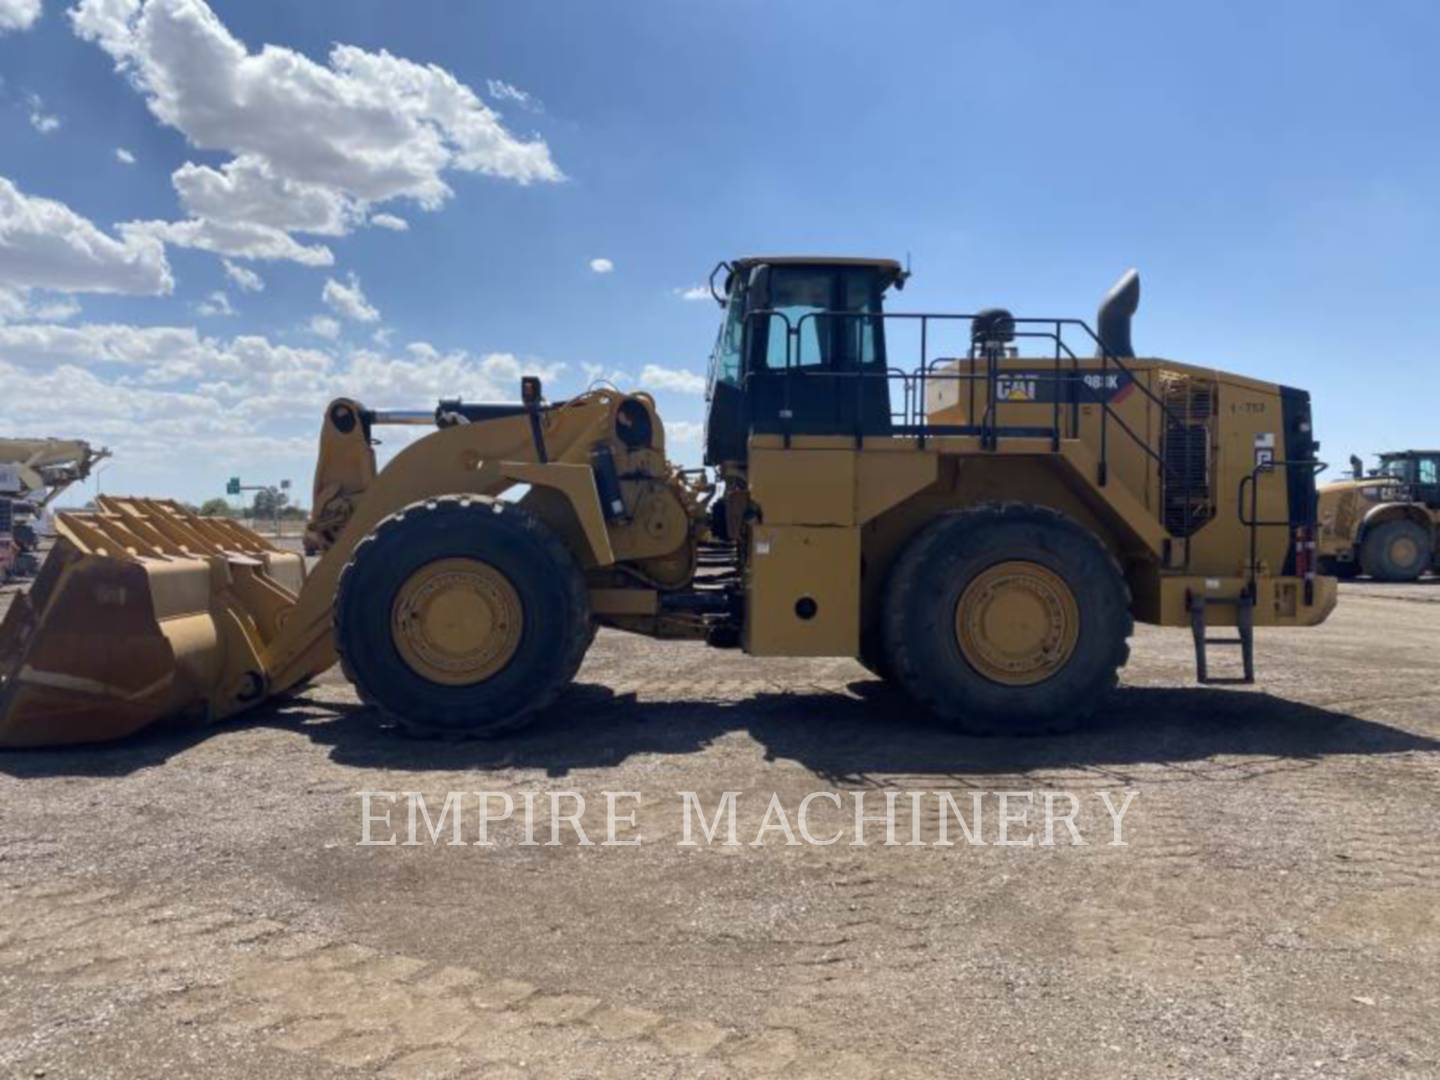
889, 269
816, 260
1404, 453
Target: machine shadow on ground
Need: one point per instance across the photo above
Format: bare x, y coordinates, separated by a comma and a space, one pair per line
871, 732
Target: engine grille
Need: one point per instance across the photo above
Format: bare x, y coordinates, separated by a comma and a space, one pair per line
1186, 448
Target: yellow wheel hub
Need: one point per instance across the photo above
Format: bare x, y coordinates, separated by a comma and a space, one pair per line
457, 621
1403, 551
1017, 623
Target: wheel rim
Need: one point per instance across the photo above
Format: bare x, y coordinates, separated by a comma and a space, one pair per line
1017, 623
457, 621
1403, 551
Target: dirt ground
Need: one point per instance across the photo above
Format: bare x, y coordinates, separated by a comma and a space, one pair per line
199, 904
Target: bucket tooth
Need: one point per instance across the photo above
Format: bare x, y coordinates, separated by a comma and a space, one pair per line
142, 612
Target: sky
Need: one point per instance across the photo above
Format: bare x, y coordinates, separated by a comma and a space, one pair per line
215, 218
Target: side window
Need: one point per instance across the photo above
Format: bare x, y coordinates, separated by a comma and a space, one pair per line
1429, 473
859, 293
725, 361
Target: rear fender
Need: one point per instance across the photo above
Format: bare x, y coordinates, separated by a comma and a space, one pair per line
577, 484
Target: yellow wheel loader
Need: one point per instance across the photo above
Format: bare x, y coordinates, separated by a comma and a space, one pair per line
1382, 524
976, 507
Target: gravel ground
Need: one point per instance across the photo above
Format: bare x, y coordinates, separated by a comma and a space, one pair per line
198, 903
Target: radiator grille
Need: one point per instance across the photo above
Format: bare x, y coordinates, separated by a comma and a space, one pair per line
1186, 449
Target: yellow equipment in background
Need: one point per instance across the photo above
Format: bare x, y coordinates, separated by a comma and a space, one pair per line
981, 528
1385, 524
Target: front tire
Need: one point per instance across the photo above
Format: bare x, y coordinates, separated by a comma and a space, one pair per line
1396, 551
461, 616
1007, 619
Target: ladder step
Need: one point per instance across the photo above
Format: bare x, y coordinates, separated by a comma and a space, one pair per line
1245, 639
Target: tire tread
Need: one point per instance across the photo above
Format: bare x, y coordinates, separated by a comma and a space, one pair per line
578, 634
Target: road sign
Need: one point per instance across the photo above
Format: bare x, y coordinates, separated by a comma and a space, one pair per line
233, 486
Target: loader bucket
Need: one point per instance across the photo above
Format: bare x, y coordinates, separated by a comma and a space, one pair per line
142, 612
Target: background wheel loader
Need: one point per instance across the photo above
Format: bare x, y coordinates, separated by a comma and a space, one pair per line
964, 503
33, 474
1383, 524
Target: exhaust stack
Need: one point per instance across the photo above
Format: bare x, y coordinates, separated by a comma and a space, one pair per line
1112, 322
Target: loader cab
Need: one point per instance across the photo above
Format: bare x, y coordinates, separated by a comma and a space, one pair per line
1418, 470
801, 350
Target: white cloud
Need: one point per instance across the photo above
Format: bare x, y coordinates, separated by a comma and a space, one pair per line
501, 90
46, 245
428, 375
314, 144
13, 305
236, 404
247, 280
125, 157
324, 326
602, 266
683, 431
217, 303
680, 381
695, 292
389, 221
18, 305
248, 190
599, 373
18, 14
66, 307
40, 120
157, 356
349, 300
241, 240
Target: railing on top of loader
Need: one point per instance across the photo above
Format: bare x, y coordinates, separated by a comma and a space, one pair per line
1066, 382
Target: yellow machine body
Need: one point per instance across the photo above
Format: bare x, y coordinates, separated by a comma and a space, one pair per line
1196, 485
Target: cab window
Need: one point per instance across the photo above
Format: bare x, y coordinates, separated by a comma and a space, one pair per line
794, 295
1399, 468
1429, 473
837, 340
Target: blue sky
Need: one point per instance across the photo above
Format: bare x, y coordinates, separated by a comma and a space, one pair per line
1271, 169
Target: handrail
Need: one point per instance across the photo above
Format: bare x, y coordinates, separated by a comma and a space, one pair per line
1253, 522
914, 384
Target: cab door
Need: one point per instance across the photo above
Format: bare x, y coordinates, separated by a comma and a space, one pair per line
1427, 480
815, 351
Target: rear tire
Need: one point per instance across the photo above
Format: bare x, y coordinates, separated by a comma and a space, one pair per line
1396, 551
1007, 619
512, 638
